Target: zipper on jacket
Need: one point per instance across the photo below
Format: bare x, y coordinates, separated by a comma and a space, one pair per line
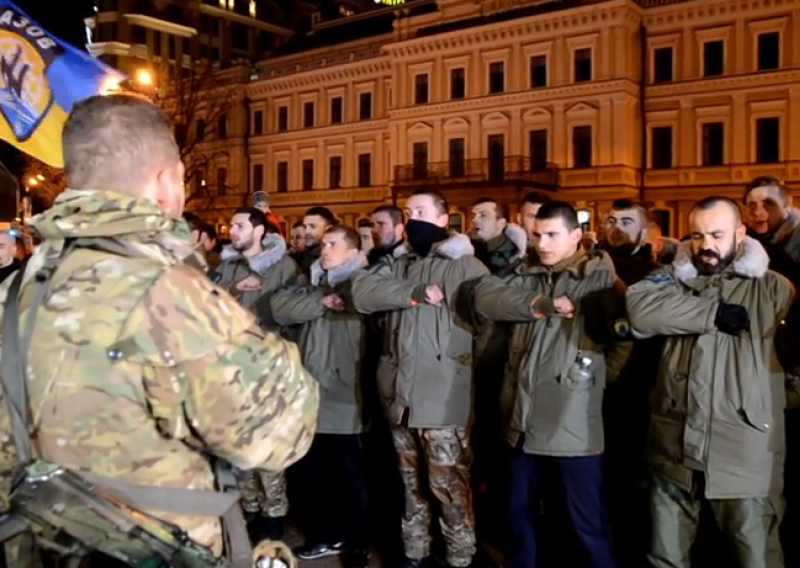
549, 288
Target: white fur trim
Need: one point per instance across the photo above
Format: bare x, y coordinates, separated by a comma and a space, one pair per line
341, 273
752, 263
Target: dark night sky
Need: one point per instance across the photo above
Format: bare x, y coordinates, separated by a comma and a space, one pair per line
65, 21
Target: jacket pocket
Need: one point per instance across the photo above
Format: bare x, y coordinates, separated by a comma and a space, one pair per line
580, 373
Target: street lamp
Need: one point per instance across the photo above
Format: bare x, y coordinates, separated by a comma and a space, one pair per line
144, 77
32, 181
40, 177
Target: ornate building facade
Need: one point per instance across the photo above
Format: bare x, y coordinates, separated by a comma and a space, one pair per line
663, 101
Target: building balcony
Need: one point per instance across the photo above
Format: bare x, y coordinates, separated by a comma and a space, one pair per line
509, 170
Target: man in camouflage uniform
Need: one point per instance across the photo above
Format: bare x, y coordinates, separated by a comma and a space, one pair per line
425, 375
255, 266
139, 366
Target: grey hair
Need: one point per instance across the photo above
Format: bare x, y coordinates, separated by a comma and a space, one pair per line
108, 141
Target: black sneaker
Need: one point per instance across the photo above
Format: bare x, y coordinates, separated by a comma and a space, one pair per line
414, 563
315, 550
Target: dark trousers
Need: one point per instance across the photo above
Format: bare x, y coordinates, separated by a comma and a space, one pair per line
581, 498
337, 489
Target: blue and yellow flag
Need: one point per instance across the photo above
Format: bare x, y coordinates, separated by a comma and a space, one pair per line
41, 78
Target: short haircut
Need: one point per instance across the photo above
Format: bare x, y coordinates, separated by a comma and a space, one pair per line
768, 181
256, 218
714, 200
438, 200
351, 237
210, 231
298, 225
535, 198
323, 212
500, 208
562, 210
394, 213
622, 204
364, 223
108, 141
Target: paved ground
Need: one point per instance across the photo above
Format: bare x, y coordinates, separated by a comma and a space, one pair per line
293, 538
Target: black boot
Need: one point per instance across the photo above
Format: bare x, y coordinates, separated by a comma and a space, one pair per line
414, 563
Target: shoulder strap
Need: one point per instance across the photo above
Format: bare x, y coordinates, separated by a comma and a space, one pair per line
14, 351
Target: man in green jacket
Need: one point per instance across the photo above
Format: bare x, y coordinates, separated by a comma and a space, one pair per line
253, 267
716, 429
332, 340
425, 375
568, 311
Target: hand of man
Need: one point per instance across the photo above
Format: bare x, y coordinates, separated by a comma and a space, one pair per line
564, 307
333, 302
732, 319
434, 295
249, 284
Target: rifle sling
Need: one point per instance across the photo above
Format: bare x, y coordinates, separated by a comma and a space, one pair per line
222, 503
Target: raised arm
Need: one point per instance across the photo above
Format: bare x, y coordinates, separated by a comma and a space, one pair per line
497, 301
658, 306
292, 306
376, 290
212, 377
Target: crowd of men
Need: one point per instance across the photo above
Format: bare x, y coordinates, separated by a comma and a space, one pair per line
616, 383
607, 402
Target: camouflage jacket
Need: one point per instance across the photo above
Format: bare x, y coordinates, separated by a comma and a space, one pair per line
139, 365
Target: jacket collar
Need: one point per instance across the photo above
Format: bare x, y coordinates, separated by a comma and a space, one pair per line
274, 248
454, 247
337, 275
517, 235
751, 262
591, 261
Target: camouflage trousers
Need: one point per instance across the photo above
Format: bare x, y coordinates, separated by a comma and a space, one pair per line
442, 457
263, 492
749, 525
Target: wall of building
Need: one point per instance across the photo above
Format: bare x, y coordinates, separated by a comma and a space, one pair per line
621, 39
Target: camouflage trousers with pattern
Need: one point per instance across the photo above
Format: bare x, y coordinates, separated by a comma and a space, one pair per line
442, 459
263, 492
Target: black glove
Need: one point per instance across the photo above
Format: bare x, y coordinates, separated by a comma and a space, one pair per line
732, 319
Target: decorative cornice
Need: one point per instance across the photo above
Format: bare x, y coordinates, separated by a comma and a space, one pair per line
759, 80
329, 196
160, 25
701, 11
365, 127
348, 72
622, 87
556, 24
341, 54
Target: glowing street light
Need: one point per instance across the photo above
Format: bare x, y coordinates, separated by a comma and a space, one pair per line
40, 177
32, 181
144, 77
110, 85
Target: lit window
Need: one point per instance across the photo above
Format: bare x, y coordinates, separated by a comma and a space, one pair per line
222, 4
231, 4
252, 8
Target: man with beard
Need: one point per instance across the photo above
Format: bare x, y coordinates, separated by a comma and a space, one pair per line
500, 246
316, 221
773, 222
387, 231
527, 211
625, 405
562, 301
625, 230
425, 375
716, 431
252, 268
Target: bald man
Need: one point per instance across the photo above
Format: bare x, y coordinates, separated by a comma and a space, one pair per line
716, 430
8, 255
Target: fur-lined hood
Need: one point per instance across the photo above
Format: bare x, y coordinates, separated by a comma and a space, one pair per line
519, 237
752, 261
788, 227
454, 247
274, 249
341, 273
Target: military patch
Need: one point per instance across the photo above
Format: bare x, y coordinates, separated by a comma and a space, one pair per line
658, 277
622, 328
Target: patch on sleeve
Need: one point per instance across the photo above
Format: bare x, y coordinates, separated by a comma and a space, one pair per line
658, 277
622, 328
